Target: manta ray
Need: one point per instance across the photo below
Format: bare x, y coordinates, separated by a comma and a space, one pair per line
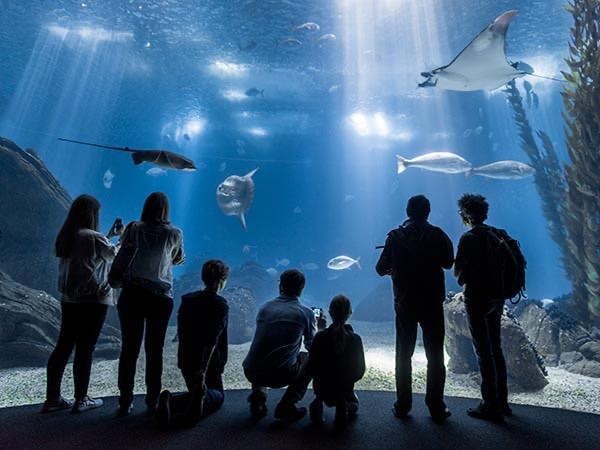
482, 64
160, 158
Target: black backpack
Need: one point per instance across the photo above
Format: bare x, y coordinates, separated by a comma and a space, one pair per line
507, 265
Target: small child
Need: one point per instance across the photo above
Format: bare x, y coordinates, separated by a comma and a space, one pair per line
202, 354
336, 362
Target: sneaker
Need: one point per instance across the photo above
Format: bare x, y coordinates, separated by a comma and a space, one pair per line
484, 412
440, 416
85, 404
316, 412
163, 410
506, 410
124, 410
56, 405
258, 406
289, 412
400, 413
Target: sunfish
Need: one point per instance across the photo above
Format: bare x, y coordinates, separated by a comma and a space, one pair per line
481, 65
504, 170
436, 162
235, 195
343, 262
161, 158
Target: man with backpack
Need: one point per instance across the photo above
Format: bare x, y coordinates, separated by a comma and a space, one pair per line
415, 255
491, 267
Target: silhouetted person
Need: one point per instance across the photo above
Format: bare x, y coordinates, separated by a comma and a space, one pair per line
415, 255
483, 310
275, 359
85, 255
147, 297
336, 361
202, 354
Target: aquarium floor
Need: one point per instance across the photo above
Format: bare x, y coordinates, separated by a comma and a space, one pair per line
375, 428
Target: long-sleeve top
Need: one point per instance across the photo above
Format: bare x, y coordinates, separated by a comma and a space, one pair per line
336, 372
202, 325
415, 255
83, 276
159, 247
281, 324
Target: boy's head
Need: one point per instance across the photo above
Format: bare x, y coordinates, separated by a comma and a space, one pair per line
340, 309
418, 208
291, 282
214, 274
473, 209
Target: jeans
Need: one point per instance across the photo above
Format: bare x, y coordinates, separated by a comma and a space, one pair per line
137, 308
297, 378
484, 323
80, 327
430, 315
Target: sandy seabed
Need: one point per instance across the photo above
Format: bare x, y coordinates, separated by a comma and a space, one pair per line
565, 390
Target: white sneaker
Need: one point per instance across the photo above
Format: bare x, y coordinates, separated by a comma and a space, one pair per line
86, 404
57, 405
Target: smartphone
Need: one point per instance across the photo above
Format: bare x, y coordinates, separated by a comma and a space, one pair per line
317, 312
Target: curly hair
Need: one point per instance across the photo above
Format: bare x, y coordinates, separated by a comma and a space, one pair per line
214, 271
473, 208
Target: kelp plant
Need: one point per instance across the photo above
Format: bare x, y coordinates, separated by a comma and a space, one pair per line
581, 98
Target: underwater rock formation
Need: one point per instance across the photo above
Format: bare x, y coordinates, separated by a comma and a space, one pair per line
561, 340
581, 98
525, 366
377, 306
29, 326
242, 314
34, 205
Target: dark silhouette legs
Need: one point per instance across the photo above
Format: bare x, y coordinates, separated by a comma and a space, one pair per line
80, 327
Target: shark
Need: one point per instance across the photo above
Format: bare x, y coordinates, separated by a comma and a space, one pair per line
160, 158
481, 65
235, 195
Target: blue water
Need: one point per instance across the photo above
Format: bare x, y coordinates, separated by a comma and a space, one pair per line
144, 73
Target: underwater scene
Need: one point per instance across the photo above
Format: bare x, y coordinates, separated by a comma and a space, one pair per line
290, 134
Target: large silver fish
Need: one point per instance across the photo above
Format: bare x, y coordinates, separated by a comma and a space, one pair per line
505, 170
343, 262
481, 65
235, 195
436, 162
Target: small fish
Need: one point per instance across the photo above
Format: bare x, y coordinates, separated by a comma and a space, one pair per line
108, 178
478, 130
186, 137
308, 26
251, 45
283, 263
325, 38
156, 172
297, 210
202, 165
495, 147
222, 167
253, 92
309, 266
436, 162
348, 198
292, 43
504, 170
490, 135
547, 302
527, 85
247, 248
536, 100
343, 262
585, 189
273, 272
334, 276
467, 133
334, 88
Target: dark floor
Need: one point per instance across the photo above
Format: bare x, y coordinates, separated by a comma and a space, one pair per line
375, 428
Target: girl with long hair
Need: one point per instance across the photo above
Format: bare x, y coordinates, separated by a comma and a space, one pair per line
146, 300
85, 255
